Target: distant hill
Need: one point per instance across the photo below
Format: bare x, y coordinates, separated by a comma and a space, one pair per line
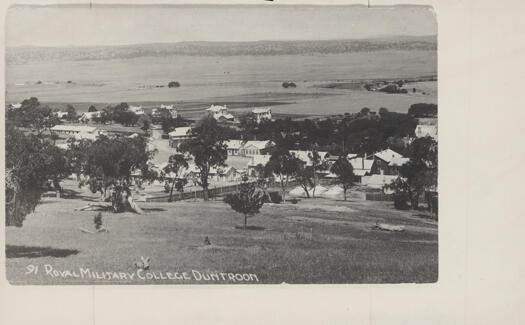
24, 54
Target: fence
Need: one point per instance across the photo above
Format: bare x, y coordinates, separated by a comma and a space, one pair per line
212, 193
379, 197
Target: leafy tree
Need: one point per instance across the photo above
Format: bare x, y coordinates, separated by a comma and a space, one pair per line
71, 113
176, 163
317, 165
365, 111
92, 109
32, 115
248, 201
423, 110
30, 161
125, 118
207, 149
173, 84
420, 173
344, 172
107, 165
305, 178
285, 165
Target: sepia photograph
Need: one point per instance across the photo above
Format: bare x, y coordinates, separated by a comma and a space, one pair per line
221, 144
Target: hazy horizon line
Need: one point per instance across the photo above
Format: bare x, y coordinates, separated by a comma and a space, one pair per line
226, 41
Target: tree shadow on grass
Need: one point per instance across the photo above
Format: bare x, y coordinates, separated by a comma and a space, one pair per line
153, 209
15, 251
250, 227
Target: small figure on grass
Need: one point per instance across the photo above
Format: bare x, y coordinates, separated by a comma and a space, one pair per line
248, 200
99, 227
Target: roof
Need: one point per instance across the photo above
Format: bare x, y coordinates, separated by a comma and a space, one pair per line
216, 108
304, 155
74, 128
233, 144
398, 161
261, 110
359, 164
180, 132
259, 160
90, 115
257, 144
168, 107
388, 155
17, 105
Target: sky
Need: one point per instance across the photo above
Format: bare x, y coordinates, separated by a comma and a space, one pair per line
119, 25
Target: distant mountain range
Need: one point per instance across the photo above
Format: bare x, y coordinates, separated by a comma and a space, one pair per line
24, 54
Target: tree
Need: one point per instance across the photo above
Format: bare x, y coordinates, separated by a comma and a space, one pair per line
71, 113
365, 111
207, 149
107, 165
420, 173
304, 177
344, 172
285, 165
176, 163
125, 118
423, 110
31, 114
58, 166
173, 84
317, 165
92, 109
248, 200
30, 161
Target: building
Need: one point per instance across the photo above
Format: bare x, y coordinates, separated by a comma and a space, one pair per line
257, 160
17, 105
77, 131
178, 135
136, 109
251, 148
361, 165
306, 156
424, 130
220, 113
89, 116
170, 108
233, 147
387, 162
61, 115
262, 114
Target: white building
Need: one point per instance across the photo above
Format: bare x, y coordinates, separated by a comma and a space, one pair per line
89, 116
77, 131
233, 147
17, 105
423, 130
220, 113
262, 114
61, 115
257, 160
178, 135
251, 148
136, 109
170, 108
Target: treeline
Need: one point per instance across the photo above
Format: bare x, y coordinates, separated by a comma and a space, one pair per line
28, 54
363, 132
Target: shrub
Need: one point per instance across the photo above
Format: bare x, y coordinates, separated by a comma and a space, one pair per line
275, 197
400, 200
289, 84
173, 84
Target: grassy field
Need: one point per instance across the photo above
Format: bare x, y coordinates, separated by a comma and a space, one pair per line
240, 81
314, 241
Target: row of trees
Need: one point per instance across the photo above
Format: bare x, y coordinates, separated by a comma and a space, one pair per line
358, 133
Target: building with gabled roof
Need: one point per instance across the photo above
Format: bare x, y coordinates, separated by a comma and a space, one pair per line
262, 114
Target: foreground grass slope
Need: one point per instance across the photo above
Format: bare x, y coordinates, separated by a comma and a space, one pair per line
315, 241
